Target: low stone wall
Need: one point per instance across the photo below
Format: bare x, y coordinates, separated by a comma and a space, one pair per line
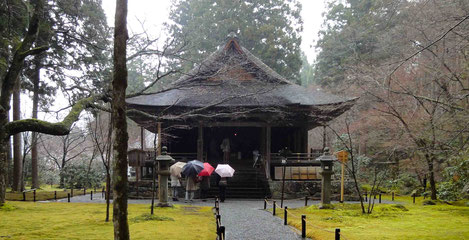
144, 190
296, 189
312, 189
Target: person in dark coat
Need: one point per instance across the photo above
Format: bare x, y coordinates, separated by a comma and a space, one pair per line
204, 187
222, 188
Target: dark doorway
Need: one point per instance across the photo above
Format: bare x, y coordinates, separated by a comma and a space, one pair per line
243, 141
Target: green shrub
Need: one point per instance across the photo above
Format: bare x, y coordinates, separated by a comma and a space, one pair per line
148, 217
448, 191
7, 207
428, 202
456, 186
391, 208
79, 176
326, 206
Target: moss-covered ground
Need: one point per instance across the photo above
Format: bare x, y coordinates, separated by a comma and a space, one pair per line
28, 220
388, 221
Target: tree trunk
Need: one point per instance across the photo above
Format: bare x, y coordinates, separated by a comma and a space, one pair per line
62, 180
120, 135
108, 193
108, 166
36, 80
9, 159
430, 161
18, 160
3, 156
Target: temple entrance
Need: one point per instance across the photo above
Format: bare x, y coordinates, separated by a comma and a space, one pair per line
242, 142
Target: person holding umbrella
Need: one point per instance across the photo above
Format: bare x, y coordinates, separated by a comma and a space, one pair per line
204, 179
222, 188
191, 170
224, 171
191, 187
175, 171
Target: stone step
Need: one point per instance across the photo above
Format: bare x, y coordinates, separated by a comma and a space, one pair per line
247, 182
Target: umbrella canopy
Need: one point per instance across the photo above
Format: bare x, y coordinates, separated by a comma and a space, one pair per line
192, 168
176, 169
224, 170
207, 171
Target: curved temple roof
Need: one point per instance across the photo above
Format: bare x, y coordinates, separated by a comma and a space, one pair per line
233, 77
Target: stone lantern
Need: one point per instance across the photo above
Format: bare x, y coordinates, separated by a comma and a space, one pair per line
327, 161
163, 160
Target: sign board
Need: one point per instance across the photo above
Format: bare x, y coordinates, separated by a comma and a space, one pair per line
342, 156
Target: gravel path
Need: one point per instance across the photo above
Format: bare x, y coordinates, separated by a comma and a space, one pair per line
245, 219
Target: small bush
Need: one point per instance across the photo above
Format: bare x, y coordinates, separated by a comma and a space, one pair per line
79, 176
405, 184
326, 206
401, 207
7, 207
448, 191
392, 208
428, 202
148, 217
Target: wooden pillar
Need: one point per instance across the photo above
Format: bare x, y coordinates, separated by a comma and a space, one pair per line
161, 182
142, 138
263, 142
200, 143
298, 140
160, 139
139, 160
304, 135
324, 137
268, 136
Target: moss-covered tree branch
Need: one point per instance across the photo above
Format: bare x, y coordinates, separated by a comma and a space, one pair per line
59, 128
34, 51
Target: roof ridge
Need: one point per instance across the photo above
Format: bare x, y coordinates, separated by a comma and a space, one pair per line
211, 61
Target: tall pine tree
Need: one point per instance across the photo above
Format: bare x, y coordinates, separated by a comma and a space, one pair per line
352, 30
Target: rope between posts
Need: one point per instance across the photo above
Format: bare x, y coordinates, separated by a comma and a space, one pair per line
267, 201
310, 224
317, 227
277, 205
288, 211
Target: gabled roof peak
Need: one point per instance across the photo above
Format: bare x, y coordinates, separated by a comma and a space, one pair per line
231, 51
233, 41
231, 35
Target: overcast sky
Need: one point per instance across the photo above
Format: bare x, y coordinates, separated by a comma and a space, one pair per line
156, 12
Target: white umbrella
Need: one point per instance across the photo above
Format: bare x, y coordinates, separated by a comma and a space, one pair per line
176, 169
224, 170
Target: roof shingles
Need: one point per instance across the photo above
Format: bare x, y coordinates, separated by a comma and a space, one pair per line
212, 83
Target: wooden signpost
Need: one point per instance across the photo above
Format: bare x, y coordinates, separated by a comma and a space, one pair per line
342, 156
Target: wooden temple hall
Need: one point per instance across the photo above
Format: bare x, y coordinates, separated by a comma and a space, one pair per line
234, 108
